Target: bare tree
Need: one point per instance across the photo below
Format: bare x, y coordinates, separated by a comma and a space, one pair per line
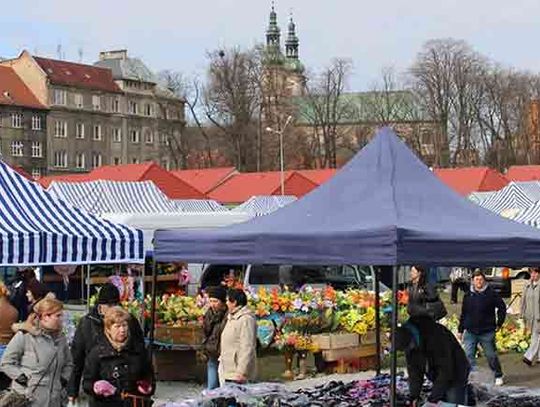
190, 90
326, 109
232, 101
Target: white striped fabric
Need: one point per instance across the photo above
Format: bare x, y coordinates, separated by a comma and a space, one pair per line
263, 205
36, 228
516, 195
199, 205
479, 197
529, 216
100, 197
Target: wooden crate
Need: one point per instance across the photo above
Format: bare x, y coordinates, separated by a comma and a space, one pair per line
167, 363
369, 338
332, 355
180, 335
336, 340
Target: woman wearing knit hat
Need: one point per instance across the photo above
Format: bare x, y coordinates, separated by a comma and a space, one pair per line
90, 329
213, 325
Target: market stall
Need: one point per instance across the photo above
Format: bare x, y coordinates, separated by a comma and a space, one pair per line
263, 205
199, 205
385, 207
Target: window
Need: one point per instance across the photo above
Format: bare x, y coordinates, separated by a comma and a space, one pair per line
16, 120
17, 148
164, 139
116, 106
79, 100
36, 173
166, 164
134, 160
37, 151
135, 136
97, 132
80, 161
60, 128
149, 109
117, 161
60, 159
97, 160
36, 122
117, 134
79, 131
133, 107
96, 102
59, 97
148, 136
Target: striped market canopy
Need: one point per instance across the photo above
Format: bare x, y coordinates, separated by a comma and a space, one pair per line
515, 196
263, 205
529, 216
479, 197
199, 205
98, 197
36, 228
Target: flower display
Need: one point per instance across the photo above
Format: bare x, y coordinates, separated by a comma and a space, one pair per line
295, 341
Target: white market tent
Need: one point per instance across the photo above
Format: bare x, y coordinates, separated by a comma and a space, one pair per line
480, 197
515, 196
149, 223
103, 196
36, 228
199, 205
263, 205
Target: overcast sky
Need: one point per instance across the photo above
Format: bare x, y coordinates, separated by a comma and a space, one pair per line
176, 34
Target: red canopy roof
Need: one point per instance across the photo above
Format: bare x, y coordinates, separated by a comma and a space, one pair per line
205, 179
240, 187
472, 179
523, 173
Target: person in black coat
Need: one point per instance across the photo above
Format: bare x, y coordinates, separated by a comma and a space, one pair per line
432, 350
483, 312
90, 329
423, 297
213, 323
118, 371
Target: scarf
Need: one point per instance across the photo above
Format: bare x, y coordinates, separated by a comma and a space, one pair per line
117, 346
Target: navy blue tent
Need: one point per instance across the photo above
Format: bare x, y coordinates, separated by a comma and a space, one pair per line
385, 207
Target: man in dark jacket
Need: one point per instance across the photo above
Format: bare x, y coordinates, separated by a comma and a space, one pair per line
90, 329
432, 350
213, 323
482, 313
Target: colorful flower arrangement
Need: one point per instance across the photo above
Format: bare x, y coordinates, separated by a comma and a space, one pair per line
295, 342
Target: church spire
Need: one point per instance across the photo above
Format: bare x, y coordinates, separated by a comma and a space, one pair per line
291, 44
272, 32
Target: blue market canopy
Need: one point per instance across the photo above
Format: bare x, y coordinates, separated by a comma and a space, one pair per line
385, 207
99, 197
39, 229
199, 205
263, 205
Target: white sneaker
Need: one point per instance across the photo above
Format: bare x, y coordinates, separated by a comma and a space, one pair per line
499, 381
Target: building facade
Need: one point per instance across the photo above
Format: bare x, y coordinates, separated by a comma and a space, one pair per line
94, 118
23, 125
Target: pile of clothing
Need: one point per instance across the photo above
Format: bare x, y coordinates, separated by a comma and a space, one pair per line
507, 396
371, 393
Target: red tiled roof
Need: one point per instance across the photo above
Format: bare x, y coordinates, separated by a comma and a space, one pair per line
171, 186
78, 75
46, 181
523, 173
14, 92
205, 179
240, 187
473, 179
319, 176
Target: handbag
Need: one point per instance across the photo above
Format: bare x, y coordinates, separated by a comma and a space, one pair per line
436, 309
12, 398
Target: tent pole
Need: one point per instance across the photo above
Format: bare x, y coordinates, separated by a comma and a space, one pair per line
393, 367
378, 320
88, 288
153, 310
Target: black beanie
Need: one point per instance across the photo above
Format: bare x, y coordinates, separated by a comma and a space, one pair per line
217, 292
108, 294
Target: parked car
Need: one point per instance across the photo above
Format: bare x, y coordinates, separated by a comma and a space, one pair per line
500, 278
267, 275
